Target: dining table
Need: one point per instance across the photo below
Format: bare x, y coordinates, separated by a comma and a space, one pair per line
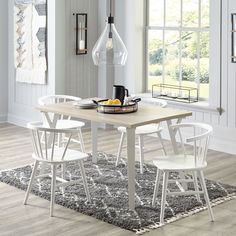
146, 114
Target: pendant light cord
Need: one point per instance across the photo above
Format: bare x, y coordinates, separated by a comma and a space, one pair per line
110, 20
110, 7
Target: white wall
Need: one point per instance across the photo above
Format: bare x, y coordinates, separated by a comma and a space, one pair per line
106, 75
130, 24
81, 74
3, 60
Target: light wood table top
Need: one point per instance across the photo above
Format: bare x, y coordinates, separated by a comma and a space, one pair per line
146, 114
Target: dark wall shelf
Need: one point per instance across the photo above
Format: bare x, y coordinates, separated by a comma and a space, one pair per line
81, 36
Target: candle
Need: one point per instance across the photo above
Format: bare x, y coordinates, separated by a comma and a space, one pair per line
81, 45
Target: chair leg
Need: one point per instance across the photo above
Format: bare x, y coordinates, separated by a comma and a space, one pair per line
162, 144
53, 186
202, 180
156, 187
196, 185
81, 140
140, 139
84, 181
31, 182
120, 148
163, 197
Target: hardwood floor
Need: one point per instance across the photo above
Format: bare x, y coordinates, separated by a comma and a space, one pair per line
33, 219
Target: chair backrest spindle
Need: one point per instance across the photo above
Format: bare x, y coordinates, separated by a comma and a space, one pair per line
199, 140
53, 145
53, 99
46, 145
41, 146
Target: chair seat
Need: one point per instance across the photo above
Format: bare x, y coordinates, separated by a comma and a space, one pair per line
178, 162
71, 155
144, 129
69, 124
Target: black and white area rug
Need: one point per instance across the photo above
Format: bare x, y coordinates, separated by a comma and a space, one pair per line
108, 189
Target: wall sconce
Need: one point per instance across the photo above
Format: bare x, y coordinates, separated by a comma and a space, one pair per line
233, 38
81, 33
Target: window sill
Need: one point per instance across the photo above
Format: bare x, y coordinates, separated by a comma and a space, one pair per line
196, 106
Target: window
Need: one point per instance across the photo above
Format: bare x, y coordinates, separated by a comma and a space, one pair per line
178, 36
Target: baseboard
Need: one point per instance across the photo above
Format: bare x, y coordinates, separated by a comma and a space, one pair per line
17, 120
3, 118
223, 145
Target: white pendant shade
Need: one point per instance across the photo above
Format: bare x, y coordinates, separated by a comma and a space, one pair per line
109, 49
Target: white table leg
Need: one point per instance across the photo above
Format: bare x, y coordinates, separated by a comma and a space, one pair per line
130, 132
94, 131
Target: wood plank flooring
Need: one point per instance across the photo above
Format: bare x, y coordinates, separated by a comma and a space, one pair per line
33, 219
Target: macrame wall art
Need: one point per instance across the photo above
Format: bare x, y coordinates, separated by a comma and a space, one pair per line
30, 41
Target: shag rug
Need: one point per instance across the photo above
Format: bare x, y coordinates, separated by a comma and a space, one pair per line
108, 188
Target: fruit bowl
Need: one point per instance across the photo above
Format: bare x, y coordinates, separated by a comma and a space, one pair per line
102, 107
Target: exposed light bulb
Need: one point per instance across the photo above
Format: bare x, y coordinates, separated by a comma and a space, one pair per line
109, 44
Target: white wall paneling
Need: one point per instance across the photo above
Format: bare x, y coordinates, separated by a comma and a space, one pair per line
130, 24
106, 75
60, 46
81, 74
231, 90
3, 60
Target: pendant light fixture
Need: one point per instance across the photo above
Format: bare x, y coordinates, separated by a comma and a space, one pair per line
109, 49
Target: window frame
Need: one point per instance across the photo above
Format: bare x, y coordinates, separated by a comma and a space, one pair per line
213, 29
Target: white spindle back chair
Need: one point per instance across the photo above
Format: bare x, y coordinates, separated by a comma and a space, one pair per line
142, 131
192, 158
63, 122
54, 99
54, 156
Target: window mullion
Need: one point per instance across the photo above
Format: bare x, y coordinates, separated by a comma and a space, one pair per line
195, 29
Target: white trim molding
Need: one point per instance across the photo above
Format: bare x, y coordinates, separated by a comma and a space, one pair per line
3, 118
17, 120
